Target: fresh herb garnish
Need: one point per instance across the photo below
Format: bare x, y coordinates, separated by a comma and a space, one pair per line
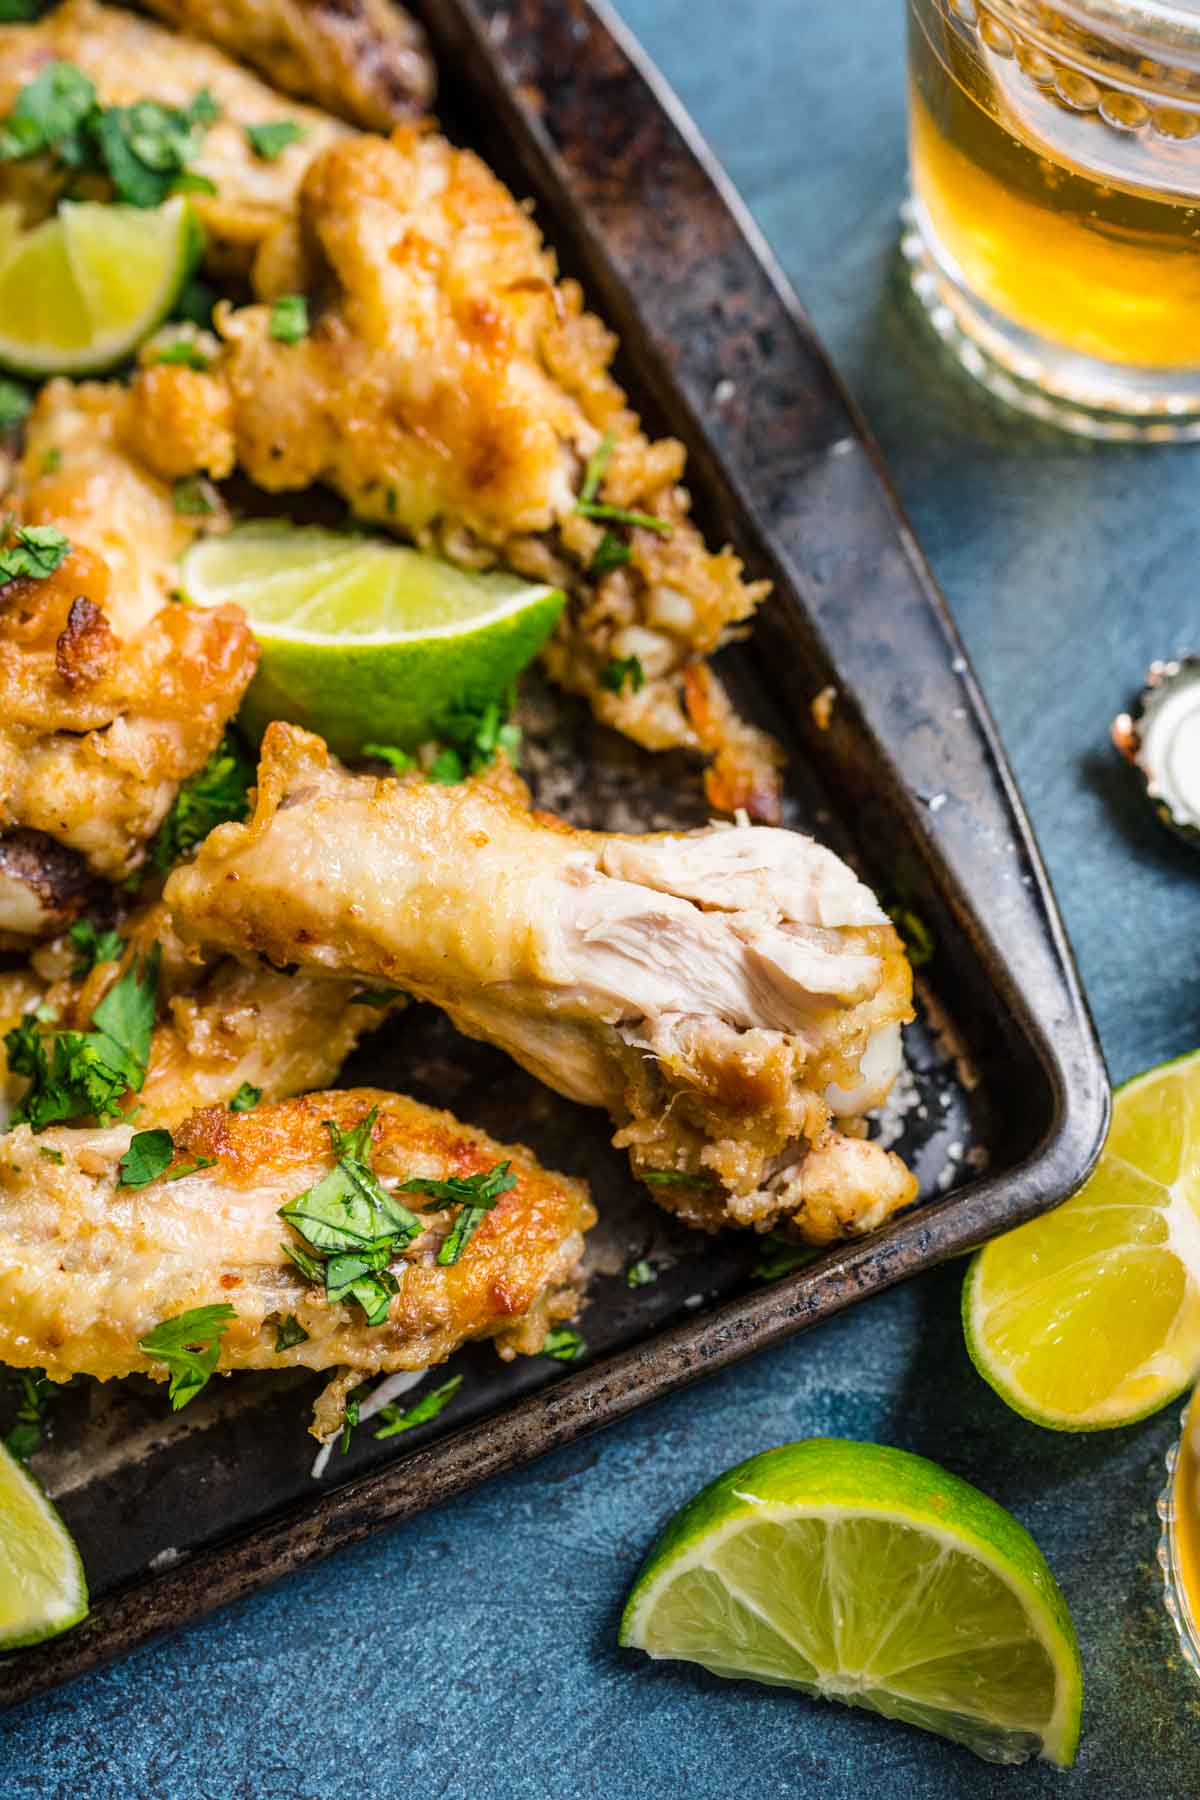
446, 767
288, 1331
52, 462
289, 319
216, 794
51, 1156
919, 941
474, 736
38, 551
190, 1346
194, 497
269, 141
375, 996
399, 761
474, 1195
564, 1344
184, 351
610, 553
640, 1273
74, 1073
195, 304
149, 1153
28, 1431
19, 12
351, 1227
350, 1418
782, 1256
50, 114
622, 670
15, 400
623, 515
596, 468
675, 1178
247, 1096
397, 1418
94, 946
190, 1168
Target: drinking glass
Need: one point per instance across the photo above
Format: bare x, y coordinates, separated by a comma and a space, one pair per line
1054, 227
1179, 1547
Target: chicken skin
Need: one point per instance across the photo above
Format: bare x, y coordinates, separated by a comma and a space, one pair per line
367, 62
88, 1266
454, 390
110, 696
732, 996
129, 59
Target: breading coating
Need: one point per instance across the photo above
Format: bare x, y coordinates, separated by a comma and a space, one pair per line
732, 996
87, 1267
453, 390
365, 60
130, 59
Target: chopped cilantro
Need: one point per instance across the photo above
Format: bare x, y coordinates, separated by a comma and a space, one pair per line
51, 113
782, 1256
288, 1331
596, 468
209, 798
640, 1273
182, 350
474, 1195
75, 1073
195, 304
28, 1431
19, 12
38, 551
149, 1153
52, 462
350, 1418
194, 497
610, 553
564, 1344
919, 941
190, 1168
472, 737
51, 1156
289, 319
269, 141
190, 1346
622, 670
246, 1097
623, 515
94, 946
446, 767
675, 1178
397, 1419
14, 403
399, 761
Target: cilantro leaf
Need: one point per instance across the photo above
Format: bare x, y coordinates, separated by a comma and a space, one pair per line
51, 1156
398, 760
447, 768
149, 1153
38, 551
473, 735
246, 1097
623, 515
19, 12
190, 1346
397, 1419
190, 1168
623, 669
675, 1178
596, 468
15, 400
194, 497
271, 140
28, 1431
919, 942
564, 1344
124, 1019
147, 147
94, 946
288, 1331
216, 794
183, 351
74, 1073
50, 114
640, 1273
289, 319
474, 1195
782, 1256
195, 304
610, 553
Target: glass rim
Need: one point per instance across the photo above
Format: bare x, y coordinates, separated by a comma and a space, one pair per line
1168, 28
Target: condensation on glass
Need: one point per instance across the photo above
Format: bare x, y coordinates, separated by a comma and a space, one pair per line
1054, 233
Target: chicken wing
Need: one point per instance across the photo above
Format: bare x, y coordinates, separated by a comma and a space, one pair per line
455, 391
367, 62
89, 1266
129, 60
109, 695
733, 996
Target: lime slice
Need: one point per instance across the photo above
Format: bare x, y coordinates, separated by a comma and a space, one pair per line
42, 1586
80, 292
1089, 1317
870, 1576
362, 640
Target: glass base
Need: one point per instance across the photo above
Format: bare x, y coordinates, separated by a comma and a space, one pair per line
1077, 393
1173, 1589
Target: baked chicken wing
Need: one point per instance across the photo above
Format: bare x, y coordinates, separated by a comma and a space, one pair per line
89, 1266
732, 996
109, 694
454, 390
367, 62
129, 59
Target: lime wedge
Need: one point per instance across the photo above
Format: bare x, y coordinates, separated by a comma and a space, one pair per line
866, 1575
1089, 1317
80, 292
362, 640
42, 1586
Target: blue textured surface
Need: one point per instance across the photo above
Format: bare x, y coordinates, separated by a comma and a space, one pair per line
470, 1654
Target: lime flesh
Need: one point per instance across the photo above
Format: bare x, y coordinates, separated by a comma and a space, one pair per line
42, 1586
1089, 1317
366, 641
867, 1575
81, 291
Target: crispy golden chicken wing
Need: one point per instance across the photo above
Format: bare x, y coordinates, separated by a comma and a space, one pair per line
109, 694
87, 1266
365, 60
453, 389
732, 996
130, 59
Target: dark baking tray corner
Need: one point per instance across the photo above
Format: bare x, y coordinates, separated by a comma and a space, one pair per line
716, 349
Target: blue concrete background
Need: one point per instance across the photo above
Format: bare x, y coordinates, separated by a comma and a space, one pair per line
469, 1655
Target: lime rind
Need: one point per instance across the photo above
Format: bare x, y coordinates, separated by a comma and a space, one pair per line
801, 1633
43, 1588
